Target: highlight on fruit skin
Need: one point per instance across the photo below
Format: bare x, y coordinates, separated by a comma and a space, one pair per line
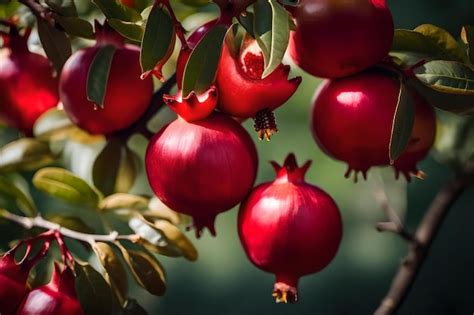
337, 38
210, 164
28, 87
352, 119
289, 228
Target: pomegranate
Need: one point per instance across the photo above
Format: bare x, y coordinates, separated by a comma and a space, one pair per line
13, 278
352, 121
128, 3
58, 297
127, 96
242, 91
233, 7
336, 38
201, 167
290, 228
27, 85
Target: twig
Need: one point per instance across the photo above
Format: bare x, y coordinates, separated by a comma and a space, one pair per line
179, 29
38, 221
140, 126
419, 247
40, 11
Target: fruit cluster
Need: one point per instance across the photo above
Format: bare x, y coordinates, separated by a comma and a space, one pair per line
205, 162
58, 297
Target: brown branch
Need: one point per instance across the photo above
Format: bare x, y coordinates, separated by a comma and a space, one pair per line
40, 11
419, 247
140, 126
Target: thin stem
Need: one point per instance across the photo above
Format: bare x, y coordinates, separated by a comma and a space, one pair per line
38, 221
419, 247
40, 11
179, 29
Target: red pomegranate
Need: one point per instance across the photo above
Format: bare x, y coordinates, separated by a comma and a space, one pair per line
242, 91
13, 278
202, 168
127, 96
290, 228
128, 3
336, 38
352, 121
27, 85
58, 297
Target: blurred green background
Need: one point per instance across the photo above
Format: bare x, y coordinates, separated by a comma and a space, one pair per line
224, 282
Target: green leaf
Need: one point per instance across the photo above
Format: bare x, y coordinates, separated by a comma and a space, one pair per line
403, 121
442, 39
64, 185
51, 124
72, 223
116, 275
262, 26
146, 270
92, 290
98, 75
200, 71
280, 36
133, 308
23, 200
158, 210
417, 43
177, 238
63, 7
129, 30
115, 168
25, 154
246, 21
158, 39
113, 10
124, 201
55, 43
76, 26
467, 36
447, 77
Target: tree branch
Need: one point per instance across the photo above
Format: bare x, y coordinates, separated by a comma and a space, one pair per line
38, 221
40, 11
140, 126
419, 247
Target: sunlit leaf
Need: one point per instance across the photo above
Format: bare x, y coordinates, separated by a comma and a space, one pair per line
64, 185
443, 39
113, 10
25, 154
98, 75
116, 275
177, 238
92, 290
403, 122
128, 30
52, 123
55, 43
124, 201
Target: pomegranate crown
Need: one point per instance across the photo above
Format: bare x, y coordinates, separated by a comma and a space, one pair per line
290, 171
106, 35
193, 107
13, 39
63, 280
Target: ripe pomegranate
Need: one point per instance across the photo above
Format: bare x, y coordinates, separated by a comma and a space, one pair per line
202, 167
242, 91
13, 278
336, 38
352, 121
27, 85
290, 228
128, 3
58, 297
127, 96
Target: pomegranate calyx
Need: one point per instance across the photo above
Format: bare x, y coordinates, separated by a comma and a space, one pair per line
265, 124
193, 107
202, 222
290, 171
106, 35
63, 280
284, 293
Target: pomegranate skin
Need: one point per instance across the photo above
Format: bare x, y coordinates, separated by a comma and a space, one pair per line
242, 91
289, 228
202, 168
127, 96
13, 288
56, 298
335, 38
352, 120
27, 85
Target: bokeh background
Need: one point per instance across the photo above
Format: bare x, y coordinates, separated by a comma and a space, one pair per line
224, 282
